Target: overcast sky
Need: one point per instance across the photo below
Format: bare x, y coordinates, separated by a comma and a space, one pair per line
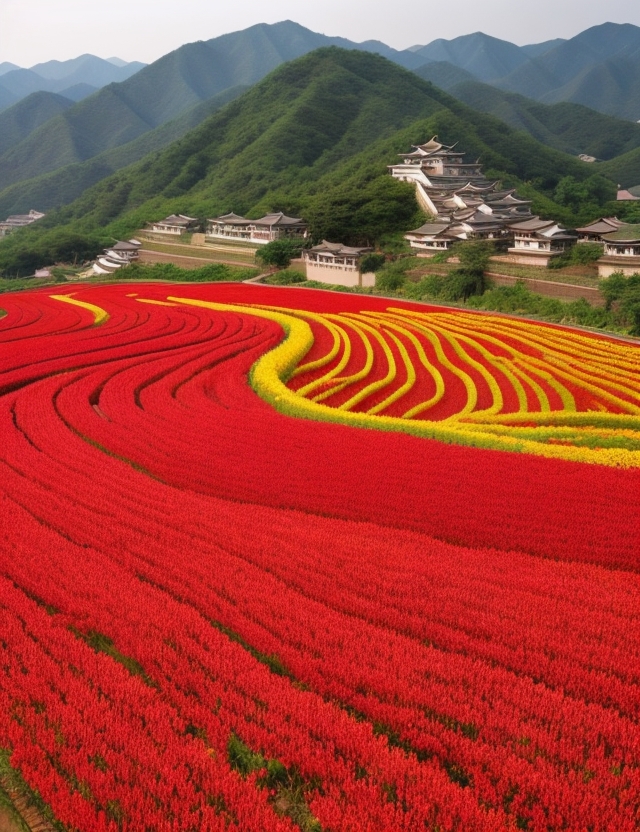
32, 31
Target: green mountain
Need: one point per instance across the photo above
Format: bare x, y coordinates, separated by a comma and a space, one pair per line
444, 74
486, 58
612, 87
19, 121
56, 76
314, 139
625, 169
534, 50
66, 184
161, 92
599, 68
572, 128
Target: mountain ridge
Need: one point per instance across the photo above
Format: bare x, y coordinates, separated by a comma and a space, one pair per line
313, 139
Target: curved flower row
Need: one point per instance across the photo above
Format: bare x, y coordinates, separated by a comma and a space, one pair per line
413, 634
515, 385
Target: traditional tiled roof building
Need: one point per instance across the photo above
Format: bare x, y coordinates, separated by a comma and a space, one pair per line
338, 264
176, 224
621, 251
271, 227
464, 204
119, 255
537, 241
19, 221
593, 233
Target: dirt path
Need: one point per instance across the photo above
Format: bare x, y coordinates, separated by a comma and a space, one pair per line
8, 823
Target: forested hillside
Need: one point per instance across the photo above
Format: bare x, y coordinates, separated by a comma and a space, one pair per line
313, 139
62, 186
572, 128
163, 91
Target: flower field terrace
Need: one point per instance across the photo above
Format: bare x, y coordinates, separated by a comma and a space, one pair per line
390, 552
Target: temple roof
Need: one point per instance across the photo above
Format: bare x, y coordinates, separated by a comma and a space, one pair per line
508, 200
627, 234
339, 250
176, 219
231, 219
432, 148
534, 224
604, 225
432, 229
279, 219
126, 246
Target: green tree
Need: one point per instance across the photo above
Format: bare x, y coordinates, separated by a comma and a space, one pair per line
279, 253
371, 262
612, 288
470, 278
586, 196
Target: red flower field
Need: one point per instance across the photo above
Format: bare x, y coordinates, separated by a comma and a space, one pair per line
276, 559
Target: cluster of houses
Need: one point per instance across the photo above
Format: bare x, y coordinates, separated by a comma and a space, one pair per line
465, 205
233, 227
332, 263
462, 205
19, 221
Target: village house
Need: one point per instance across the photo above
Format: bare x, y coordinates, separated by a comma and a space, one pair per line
621, 251
337, 264
19, 221
271, 227
537, 241
593, 233
117, 256
128, 250
176, 224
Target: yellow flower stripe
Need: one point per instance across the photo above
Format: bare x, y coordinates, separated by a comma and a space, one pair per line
336, 333
472, 393
512, 373
99, 315
592, 437
341, 382
403, 389
380, 384
565, 395
433, 371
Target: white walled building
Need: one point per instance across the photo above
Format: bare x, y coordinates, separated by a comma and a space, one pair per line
621, 252
176, 225
337, 264
538, 241
463, 203
595, 231
271, 227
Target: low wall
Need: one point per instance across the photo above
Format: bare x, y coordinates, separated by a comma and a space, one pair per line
550, 288
338, 276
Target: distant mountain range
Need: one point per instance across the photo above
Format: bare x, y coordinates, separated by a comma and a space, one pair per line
312, 139
572, 128
87, 73
599, 68
78, 144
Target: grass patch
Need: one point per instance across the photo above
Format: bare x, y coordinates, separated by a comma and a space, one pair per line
270, 660
288, 790
103, 644
202, 252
